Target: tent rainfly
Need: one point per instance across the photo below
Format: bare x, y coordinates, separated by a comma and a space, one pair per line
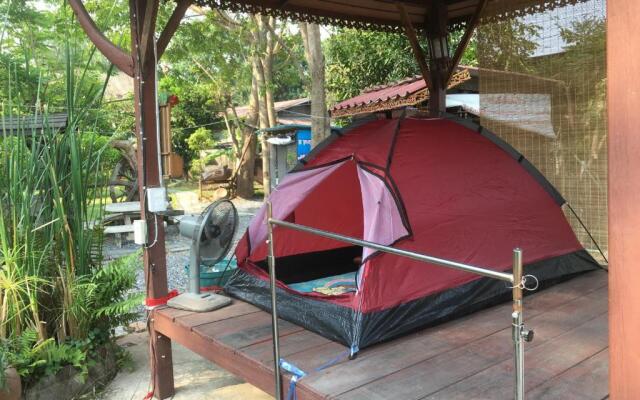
432, 186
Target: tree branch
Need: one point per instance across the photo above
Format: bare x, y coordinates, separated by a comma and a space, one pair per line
172, 26
286, 48
113, 53
232, 133
227, 21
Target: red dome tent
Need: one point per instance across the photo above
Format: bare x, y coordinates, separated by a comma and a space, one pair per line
432, 186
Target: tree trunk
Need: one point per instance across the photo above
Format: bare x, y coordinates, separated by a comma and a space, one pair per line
267, 64
248, 157
257, 61
320, 125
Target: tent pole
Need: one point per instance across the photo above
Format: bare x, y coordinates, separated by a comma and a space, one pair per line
274, 311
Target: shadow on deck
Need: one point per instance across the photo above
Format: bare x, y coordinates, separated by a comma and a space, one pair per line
468, 358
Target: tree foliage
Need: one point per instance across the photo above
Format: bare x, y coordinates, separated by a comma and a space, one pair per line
359, 59
507, 45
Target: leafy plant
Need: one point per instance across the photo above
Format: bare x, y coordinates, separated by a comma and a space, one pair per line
58, 303
4, 364
114, 301
201, 139
33, 357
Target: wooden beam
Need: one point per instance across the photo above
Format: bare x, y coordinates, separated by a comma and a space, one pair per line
472, 24
172, 26
415, 45
113, 53
623, 62
148, 29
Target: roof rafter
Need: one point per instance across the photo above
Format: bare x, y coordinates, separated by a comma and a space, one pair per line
415, 45
172, 25
466, 37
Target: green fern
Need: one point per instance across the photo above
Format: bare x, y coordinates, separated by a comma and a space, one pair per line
112, 298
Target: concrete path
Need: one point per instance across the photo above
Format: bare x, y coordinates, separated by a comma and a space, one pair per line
195, 377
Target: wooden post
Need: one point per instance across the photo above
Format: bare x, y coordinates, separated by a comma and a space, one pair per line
141, 65
143, 15
436, 72
437, 37
623, 62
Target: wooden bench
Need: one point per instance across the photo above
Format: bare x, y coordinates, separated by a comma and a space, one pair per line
127, 211
113, 229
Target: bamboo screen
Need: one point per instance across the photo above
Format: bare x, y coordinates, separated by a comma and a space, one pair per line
542, 89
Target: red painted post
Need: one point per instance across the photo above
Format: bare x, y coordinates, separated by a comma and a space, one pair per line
149, 175
623, 63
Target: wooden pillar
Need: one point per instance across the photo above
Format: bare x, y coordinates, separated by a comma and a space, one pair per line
143, 18
438, 56
141, 65
623, 64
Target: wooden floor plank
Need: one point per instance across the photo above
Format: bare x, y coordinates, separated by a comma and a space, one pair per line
238, 338
586, 380
289, 345
173, 313
377, 362
236, 309
244, 330
254, 372
542, 363
433, 374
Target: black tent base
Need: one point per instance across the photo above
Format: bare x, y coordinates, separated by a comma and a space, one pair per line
341, 324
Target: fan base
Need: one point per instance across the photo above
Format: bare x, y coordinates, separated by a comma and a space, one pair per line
202, 302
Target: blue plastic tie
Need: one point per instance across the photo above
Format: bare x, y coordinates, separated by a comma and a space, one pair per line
298, 374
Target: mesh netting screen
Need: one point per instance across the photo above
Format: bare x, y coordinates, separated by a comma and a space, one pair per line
542, 89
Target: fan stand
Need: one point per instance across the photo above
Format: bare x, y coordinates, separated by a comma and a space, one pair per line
194, 300
199, 302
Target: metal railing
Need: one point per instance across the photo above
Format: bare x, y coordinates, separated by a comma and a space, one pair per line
519, 333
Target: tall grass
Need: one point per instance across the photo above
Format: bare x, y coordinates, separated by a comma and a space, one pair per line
50, 187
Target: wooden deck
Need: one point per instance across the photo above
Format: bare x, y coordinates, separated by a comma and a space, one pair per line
468, 358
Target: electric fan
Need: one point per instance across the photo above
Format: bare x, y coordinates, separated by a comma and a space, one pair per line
212, 234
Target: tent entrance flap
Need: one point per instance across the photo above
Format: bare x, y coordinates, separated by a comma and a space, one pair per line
350, 201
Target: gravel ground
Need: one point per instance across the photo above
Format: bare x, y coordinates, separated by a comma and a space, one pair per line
178, 246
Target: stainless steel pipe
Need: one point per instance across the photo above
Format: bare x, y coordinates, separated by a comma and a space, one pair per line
271, 260
519, 334
392, 250
517, 327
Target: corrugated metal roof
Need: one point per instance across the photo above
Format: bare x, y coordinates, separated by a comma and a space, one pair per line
29, 124
381, 93
412, 89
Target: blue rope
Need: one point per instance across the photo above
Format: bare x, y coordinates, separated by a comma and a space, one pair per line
298, 374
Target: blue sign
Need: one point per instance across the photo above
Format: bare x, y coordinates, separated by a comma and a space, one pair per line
304, 142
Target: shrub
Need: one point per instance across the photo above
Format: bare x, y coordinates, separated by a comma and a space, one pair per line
201, 139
